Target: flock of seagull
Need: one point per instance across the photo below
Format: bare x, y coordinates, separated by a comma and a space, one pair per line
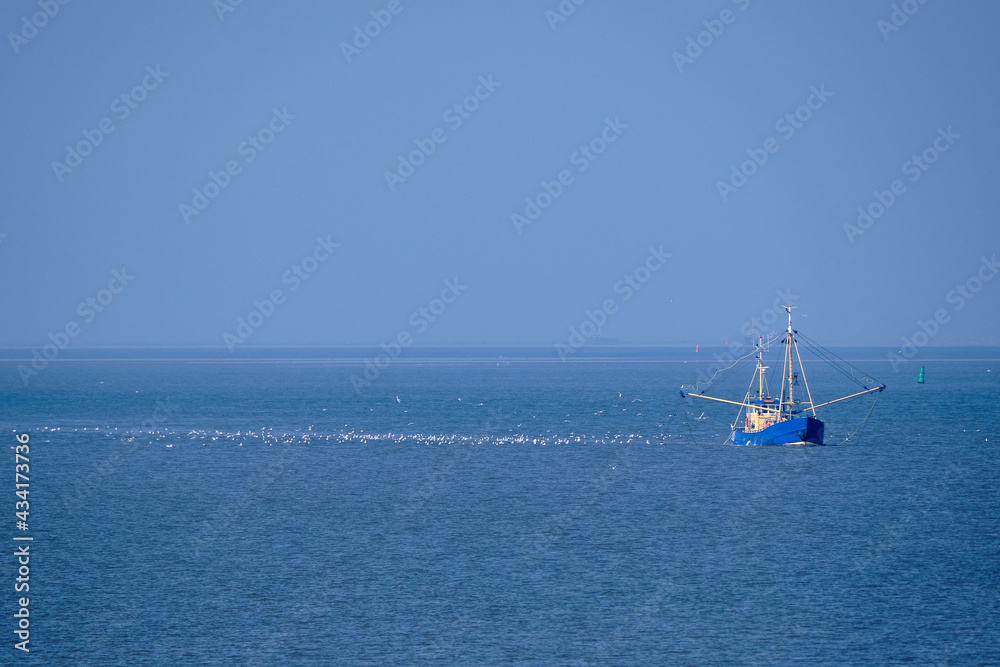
494, 435
270, 437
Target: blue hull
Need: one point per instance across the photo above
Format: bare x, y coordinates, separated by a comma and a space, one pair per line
798, 431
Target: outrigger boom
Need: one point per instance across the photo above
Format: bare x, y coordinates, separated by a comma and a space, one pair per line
844, 398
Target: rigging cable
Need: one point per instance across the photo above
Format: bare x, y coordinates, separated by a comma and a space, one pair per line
877, 394
756, 349
816, 348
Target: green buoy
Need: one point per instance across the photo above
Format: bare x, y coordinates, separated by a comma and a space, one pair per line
920, 379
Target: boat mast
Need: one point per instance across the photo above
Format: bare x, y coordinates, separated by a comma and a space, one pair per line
760, 374
805, 381
788, 360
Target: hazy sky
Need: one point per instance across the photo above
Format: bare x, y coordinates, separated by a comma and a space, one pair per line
117, 115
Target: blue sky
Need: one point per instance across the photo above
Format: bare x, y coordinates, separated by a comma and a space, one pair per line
277, 73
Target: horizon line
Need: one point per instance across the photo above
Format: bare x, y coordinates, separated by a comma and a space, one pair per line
432, 346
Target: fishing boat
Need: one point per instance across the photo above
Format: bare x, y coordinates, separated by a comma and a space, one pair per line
789, 419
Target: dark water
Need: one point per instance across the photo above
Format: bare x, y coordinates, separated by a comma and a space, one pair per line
501, 511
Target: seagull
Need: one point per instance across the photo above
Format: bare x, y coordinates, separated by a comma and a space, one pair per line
397, 399
637, 399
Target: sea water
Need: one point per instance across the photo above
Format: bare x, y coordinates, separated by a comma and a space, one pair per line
497, 507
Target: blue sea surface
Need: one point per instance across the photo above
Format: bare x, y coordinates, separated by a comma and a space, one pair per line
476, 506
